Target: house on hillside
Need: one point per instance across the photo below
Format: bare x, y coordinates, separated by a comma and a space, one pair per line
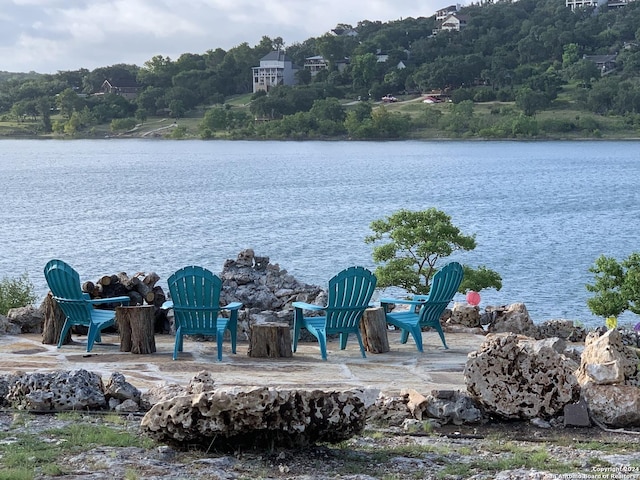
446, 11
127, 89
275, 69
605, 63
454, 22
574, 4
315, 64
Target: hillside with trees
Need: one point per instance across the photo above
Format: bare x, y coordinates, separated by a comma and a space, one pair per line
516, 70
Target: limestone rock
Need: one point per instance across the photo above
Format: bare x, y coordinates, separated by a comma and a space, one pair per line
517, 377
606, 360
117, 387
28, 319
447, 406
8, 328
234, 417
513, 318
390, 410
465, 315
57, 391
564, 329
613, 405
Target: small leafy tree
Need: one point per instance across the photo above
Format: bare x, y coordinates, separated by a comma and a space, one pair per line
415, 242
616, 286
15, 292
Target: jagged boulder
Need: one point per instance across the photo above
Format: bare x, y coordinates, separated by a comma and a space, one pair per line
447, 406
606, 360
236, 417
520, 378
28, 319
513, 318
613, 405
465, 315
118, 389
57, 391
565, 329
8, 328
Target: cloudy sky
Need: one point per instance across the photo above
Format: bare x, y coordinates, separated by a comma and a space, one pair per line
47, 36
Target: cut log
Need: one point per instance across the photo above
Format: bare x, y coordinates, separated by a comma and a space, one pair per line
145, 291
136, 326
151, 279
270, 340
88, 287
54, 320
373, 328
104, 281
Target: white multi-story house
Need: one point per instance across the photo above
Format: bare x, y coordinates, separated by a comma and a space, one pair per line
454, 21
573, 4
444, 12
315, 64
275, 69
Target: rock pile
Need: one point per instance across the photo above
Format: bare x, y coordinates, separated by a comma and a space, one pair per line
609, 377
265, 290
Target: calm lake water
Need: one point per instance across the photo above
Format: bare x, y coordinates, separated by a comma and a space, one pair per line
542, 212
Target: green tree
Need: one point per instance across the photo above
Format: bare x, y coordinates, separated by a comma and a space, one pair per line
531, 101
414, 243
15, 292
616, 286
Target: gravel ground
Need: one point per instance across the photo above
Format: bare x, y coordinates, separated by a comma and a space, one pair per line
515, 450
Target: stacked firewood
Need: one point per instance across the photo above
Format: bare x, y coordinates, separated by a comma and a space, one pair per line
141, 289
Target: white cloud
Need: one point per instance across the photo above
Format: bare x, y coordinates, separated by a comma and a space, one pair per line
51, 35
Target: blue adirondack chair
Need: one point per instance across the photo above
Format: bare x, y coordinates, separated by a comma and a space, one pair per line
195, 299
348, 297
64, 283
443, 287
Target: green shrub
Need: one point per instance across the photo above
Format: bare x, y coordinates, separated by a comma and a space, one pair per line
15, 292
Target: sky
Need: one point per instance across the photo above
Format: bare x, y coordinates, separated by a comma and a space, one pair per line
47, 36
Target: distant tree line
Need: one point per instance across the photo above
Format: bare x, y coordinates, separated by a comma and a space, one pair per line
523, 52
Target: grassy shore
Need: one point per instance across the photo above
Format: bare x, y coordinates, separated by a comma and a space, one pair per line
564, 120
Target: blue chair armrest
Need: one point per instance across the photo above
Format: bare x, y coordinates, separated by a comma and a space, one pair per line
167, 305
124, 299
307, 306
400, 301
231, 306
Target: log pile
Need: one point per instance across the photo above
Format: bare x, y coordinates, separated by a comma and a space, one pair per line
141, 289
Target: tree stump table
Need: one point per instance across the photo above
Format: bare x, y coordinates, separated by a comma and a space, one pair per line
270, 340
136, 328
373, 328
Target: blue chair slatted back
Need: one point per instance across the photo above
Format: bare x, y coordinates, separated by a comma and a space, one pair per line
64, 283
443, 287
195, 292
348, 297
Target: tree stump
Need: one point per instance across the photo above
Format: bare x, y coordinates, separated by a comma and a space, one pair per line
54, 319
136, 327
270, 340
373, 328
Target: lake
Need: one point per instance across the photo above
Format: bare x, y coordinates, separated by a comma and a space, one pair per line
542, 212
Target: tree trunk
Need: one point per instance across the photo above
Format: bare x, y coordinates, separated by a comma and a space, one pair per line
54, 320
373, 329
136, 327
271, 340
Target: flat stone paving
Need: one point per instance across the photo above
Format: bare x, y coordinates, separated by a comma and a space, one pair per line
401, 368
